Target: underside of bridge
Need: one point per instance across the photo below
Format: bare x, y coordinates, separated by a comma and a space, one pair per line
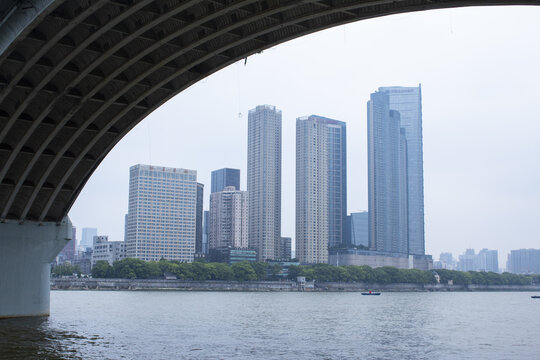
76, 76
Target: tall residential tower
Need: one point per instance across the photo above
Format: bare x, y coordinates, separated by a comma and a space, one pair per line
321, 187
264, 180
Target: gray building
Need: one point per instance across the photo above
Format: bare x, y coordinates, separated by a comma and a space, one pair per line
285, 248
387, 177
199, 219
524, 261
359, 229
408, 102
106, 250
488, 260
264, 180
206, 228
161, 213
468, 261
228, 224
225, 177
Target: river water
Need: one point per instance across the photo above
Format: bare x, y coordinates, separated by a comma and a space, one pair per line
277, 325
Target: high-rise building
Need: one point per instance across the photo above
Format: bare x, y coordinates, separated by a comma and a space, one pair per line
468, 261
387, 177
161, 213
87, 238
524, 261
228, 219
225, 177
359, 229
321, 187
285, 248
488, 260
199, 219
264, 180
408, 102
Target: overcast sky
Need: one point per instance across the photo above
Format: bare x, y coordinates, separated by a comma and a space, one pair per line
480, 75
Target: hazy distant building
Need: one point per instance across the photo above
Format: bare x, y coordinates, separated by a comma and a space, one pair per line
106, 250
264, 180
488, 260
447, 261
468, 261
161, 213
87, 237
70, 250
408, 102
199, 219
524, 261
387, 177
84, 260
359, 229
228, 219
225, 177
285, 248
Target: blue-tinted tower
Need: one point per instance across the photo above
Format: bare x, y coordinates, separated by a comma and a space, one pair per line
225, 177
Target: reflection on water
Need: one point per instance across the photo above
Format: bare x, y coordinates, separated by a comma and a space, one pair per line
33, 338
217, 325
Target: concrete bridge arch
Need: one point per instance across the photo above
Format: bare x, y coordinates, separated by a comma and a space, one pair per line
76, 76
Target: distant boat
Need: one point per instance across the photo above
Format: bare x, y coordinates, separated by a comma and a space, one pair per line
371, 293
536, 296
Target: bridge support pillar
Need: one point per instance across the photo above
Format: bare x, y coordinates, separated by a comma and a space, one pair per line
26, 251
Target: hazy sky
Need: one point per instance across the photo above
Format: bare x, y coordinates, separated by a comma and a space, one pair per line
480, 75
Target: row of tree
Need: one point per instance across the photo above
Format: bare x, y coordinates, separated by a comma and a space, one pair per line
250, 271
200, 271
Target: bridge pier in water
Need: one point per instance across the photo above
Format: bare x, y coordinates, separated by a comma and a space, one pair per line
26, 252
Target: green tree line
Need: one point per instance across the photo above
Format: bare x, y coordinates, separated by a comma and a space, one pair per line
251, 271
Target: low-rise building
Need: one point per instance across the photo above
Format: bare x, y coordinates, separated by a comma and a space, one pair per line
374, 259
106, 250
231, 255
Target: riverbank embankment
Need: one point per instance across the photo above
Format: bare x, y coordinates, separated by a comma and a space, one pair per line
183, 285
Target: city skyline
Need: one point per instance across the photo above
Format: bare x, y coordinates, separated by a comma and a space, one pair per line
470, 146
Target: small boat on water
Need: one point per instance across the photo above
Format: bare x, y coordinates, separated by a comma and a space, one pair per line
371, 293
536, 296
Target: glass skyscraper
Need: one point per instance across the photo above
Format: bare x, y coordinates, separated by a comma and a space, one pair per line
408, 102
161, 213
359, 228
387, 177
264, 180
321, 187
225, 177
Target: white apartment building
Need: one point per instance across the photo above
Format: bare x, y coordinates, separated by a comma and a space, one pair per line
161, 213
106, 250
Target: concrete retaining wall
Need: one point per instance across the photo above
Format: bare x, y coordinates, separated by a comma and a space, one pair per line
182, 285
